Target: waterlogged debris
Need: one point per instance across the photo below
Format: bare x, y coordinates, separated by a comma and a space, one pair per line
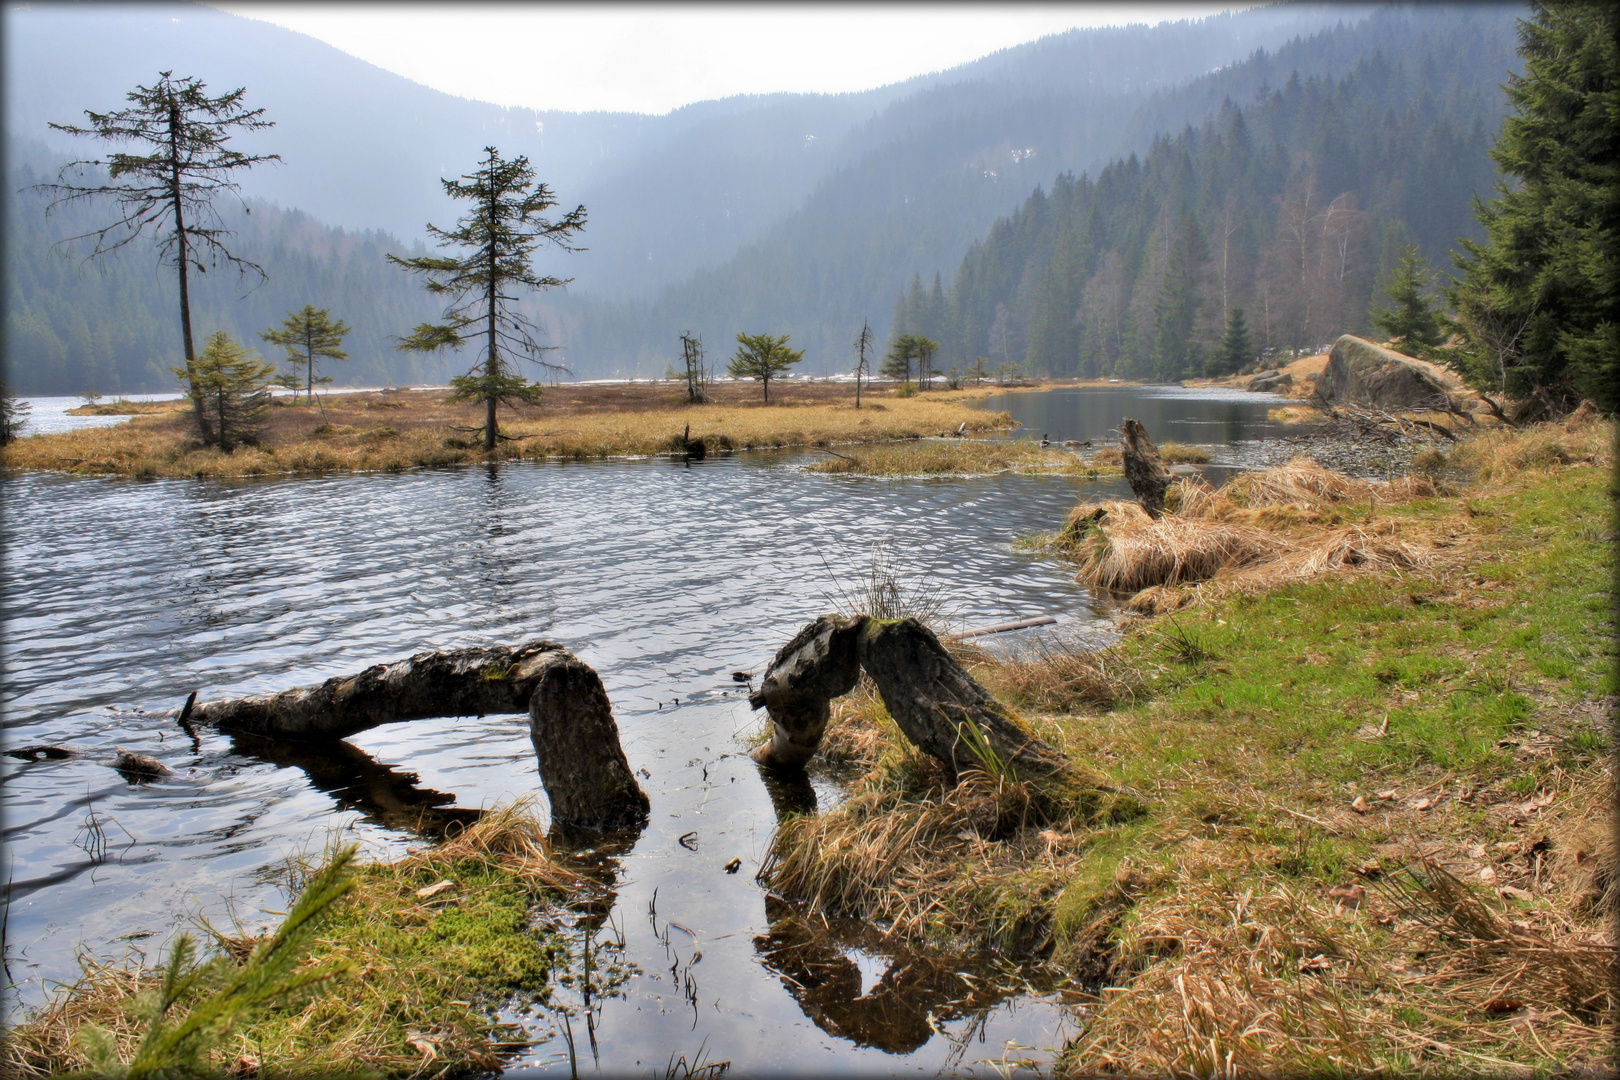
733, 866
41, 753
136, 767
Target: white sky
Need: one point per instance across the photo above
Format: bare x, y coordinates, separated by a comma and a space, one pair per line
654, 58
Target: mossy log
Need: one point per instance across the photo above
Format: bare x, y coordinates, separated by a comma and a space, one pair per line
934, 701
1143, 470
819, 664
582, 762
943, 710
461, 682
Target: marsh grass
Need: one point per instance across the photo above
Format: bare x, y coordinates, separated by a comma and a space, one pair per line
1379, 832
955, 457
392, 432
419, 970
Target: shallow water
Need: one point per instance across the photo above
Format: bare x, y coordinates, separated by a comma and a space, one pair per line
123, 596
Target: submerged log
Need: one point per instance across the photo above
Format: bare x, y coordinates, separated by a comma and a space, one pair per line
943, 709
819, 664
461, 682
582, 762
1143, 470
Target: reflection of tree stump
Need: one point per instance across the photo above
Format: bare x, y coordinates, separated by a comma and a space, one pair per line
819, 664
940, 708
582, 763
461, 682
1143, 470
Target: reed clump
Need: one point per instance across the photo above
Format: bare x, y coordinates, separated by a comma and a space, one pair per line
1283, 524
422, 949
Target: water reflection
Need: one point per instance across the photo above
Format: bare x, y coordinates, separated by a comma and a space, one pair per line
854, 983
1195, 416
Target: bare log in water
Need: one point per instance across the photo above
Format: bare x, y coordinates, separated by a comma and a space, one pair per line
1143, 470
819, 664
461, 682
582, 763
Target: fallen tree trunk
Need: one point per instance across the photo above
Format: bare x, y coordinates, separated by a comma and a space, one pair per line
461, 682
1143, 470
819, 664
582, 762
943, 710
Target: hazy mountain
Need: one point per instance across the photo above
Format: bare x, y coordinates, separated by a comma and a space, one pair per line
783, 213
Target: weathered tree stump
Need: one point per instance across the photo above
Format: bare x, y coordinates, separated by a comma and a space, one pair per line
1143, 470
943, 710
582, 763
819, 664
461, 682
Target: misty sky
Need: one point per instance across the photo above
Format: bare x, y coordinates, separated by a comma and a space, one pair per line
653, 58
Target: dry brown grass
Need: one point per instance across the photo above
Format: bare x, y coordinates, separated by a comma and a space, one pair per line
1227, 966
1179, 453
954, 457
120, 407
930, 861
1056, 677
1500, 454
394, 431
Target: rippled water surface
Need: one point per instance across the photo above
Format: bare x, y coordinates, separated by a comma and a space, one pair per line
123, 596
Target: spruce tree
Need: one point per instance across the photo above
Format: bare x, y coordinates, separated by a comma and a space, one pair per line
1540, 297
763, 357
498, 238
1234, 350
897, 364
13, 415
308, 335
1410, 322
231, 381
169, 188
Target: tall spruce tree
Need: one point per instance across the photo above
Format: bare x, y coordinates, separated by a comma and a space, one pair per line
170, 187
897, 364
1410, 321
308, 336
763, 357
1541, 296
498, 238
1234, 349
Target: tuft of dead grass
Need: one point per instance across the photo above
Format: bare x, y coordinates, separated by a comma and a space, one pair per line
1058, 677
1500, 454
954, 457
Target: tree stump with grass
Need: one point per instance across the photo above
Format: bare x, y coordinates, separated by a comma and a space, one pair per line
819, 664
1143, 470
576, 740
944, 711
478, 681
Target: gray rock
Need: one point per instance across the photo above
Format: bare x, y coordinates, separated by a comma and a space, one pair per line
1361, 373
1271, 382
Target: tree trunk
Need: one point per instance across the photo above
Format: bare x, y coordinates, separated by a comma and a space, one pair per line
820, 663
462, 682
582, 763
203, 427
940, 708
1143, 470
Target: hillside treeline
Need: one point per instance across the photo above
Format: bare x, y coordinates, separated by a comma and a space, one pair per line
109, 325
1293, 208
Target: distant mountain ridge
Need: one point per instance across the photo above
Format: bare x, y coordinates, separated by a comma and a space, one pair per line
721, 216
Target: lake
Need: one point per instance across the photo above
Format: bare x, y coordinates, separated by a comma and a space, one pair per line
124, 596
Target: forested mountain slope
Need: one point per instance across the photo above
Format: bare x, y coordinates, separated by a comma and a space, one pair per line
1401, 109
1291, 206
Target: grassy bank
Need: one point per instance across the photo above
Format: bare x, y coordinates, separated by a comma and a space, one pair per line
426, 949
397, 430
1379, 814
958, 457
120, 407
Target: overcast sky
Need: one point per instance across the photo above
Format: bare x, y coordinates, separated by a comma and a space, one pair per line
654, 58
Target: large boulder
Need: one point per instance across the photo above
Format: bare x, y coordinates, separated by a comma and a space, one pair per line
1361, 373
1271, 382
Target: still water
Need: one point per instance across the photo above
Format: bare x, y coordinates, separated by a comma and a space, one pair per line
121, 597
